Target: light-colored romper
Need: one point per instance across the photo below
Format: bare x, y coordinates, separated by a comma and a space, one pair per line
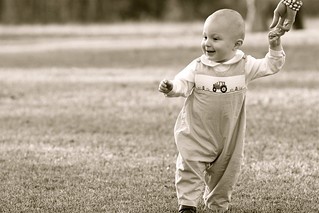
209, 134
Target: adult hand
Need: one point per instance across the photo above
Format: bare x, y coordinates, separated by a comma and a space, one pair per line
284, 17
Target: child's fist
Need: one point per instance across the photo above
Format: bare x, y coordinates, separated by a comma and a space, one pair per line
165, 86
274, 37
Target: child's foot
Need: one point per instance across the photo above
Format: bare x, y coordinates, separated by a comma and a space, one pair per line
187, 209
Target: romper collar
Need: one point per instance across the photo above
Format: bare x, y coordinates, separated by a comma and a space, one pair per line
238, 56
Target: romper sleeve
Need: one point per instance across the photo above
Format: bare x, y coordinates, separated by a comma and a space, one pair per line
269, 65
184, 81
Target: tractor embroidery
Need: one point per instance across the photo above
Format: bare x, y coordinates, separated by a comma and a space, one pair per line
221, 86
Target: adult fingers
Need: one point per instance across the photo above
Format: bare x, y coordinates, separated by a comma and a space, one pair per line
287, 25
281, 22
290, 19
275, 19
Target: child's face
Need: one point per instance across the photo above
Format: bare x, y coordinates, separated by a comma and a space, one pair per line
218, 42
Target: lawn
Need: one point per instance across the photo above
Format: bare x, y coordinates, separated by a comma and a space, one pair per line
83, 128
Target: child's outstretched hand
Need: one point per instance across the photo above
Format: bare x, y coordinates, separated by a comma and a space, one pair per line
274, 38
165, 86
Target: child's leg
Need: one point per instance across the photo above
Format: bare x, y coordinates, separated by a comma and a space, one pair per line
189, 181
221, 177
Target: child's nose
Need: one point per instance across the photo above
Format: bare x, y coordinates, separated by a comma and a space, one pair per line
208, 43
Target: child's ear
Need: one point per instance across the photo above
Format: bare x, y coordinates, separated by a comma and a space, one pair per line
238, 43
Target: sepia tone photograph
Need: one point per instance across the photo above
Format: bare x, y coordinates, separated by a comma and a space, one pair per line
166, 106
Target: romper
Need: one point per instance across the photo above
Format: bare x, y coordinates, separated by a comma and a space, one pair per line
210, 129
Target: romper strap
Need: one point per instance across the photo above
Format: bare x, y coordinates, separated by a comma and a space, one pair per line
198, 63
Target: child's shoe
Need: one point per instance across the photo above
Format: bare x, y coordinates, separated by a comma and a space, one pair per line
187, 209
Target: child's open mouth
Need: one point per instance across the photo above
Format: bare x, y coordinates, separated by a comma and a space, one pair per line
210, 52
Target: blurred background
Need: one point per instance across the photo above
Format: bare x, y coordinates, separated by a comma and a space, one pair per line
96, 33
110, 11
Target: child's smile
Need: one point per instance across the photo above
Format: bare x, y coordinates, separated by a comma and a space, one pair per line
210, 52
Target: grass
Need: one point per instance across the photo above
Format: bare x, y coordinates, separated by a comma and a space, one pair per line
85, 130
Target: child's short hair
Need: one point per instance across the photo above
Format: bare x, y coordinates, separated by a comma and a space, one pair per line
231, 19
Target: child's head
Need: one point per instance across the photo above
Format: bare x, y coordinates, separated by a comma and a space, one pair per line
223, 34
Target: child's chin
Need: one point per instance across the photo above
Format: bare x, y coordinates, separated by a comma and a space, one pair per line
211, 58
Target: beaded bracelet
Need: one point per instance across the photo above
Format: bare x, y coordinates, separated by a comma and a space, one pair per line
293, 4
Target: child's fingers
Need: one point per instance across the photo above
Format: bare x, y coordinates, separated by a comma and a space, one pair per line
273, 37
163, 86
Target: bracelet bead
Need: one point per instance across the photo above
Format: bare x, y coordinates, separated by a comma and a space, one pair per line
293, 4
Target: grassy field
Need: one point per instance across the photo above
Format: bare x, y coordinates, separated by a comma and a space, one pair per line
83, 128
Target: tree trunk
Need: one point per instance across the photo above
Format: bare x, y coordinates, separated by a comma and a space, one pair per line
8, 11
258, 15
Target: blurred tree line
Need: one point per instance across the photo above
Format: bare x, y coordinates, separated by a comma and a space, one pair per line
98, 11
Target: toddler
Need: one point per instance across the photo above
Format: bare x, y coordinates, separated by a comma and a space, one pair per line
210, 129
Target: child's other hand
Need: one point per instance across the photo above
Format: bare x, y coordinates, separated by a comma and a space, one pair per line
165, 86
274, 38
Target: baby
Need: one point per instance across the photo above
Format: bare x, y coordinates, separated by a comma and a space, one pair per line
210, 129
